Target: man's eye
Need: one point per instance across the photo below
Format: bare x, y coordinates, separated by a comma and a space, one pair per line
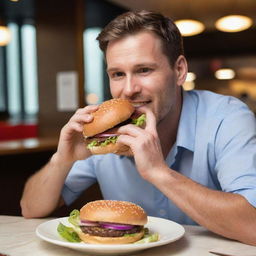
117, 74
144, 70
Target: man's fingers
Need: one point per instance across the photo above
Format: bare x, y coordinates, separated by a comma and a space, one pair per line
70, 127
135, 131
76, 127
87, 109
126, 140
150, 122
84, 115
82, 118
130, 129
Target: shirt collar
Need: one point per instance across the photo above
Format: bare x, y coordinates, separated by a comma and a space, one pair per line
187, 126
187, 123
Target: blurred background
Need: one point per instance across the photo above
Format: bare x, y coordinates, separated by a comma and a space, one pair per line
50, 65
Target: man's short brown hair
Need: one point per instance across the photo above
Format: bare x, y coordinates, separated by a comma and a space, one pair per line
133, 22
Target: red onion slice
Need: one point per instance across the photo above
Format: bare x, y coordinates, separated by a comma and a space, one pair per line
105, 135
116, 226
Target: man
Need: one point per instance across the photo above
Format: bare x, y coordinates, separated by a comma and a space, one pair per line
195, 161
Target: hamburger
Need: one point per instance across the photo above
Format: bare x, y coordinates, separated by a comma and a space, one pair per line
101, 134
107, 222
111, 222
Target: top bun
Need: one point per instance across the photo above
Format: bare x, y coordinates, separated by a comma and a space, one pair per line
114, 211
109, 114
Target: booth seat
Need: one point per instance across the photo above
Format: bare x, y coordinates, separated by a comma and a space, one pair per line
17, 131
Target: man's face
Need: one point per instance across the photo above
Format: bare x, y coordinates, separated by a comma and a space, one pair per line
139, 71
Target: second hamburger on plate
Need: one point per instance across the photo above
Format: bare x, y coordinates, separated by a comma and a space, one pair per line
108, 222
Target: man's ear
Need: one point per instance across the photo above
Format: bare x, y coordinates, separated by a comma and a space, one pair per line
181, 69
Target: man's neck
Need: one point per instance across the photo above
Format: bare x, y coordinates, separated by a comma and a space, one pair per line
168, 128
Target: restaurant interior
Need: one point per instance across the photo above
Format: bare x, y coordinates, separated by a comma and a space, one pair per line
50, 65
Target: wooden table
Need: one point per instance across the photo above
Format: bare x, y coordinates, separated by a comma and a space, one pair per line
28, 145
18, 238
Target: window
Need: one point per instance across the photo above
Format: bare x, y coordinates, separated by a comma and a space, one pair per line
2, 83
93, 65
96, 79
29, 64
18, 73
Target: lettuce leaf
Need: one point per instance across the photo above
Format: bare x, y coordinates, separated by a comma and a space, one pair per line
92, 144
149, 238
140, 120
74, 218
71, 233
68, 233
109, 140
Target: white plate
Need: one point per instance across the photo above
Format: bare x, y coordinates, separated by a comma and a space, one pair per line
168, 231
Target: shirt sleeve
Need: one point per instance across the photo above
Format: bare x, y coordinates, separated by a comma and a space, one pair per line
236, 153
80, 177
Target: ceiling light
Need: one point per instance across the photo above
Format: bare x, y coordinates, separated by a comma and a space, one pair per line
5, 35
225, 74
233, 23
190, 27
190, 77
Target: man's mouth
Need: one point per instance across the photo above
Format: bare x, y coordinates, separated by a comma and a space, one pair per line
140, 103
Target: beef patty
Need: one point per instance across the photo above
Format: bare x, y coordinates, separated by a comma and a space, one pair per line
105, 232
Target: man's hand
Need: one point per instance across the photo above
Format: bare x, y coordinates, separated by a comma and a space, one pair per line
71, 145
145, 145
42, 192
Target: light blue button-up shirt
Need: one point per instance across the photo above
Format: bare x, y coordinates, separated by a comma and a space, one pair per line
215, 146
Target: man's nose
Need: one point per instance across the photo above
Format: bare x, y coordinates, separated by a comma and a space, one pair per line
132, 86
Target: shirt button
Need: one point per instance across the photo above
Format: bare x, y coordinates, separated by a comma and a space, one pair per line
162, 212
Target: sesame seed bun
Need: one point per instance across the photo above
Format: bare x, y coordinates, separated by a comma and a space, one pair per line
117, 148
112, 211
111, 240
109, 114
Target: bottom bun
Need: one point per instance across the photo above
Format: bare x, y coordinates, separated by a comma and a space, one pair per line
116, 148
111, 240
